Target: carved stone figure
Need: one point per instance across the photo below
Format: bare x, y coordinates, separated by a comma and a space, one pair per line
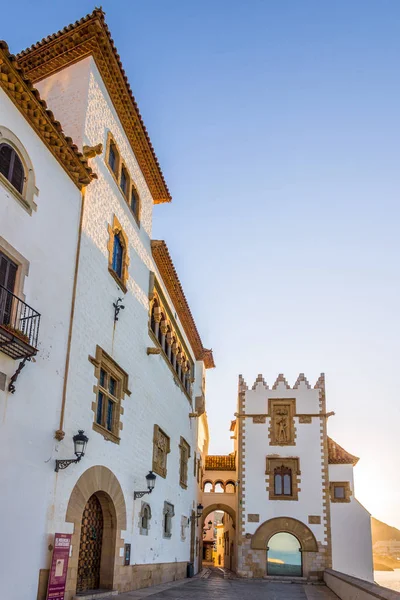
282, 426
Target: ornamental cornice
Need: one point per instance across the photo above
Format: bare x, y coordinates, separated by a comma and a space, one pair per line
90, 36
171, 281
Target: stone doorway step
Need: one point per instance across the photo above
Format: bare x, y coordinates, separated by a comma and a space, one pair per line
95, 594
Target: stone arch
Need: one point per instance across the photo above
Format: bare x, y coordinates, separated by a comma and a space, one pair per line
266, 530
219, 506
99, 481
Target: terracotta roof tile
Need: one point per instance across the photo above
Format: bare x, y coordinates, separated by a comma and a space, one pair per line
90, 36
27, 98
171, 281
339, 456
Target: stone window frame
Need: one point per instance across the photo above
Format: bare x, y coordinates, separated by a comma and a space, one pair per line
166, 335
116, 230
29, 190
102, 360
184, 455
168, 514
156, 467
22, 267
347, 491
121, 164
144, 508
275, 404
289, 462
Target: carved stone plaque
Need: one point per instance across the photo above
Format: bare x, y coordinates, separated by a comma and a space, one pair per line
305, 419
314, 520
282, 430
160, 450
253, 518
259, 419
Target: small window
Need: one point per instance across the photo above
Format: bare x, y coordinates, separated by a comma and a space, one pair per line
135, 202
169, 512
283, 481
340, 491
113, 158
107, 402
11, 167
124, 183
144, 518
118, 255
184, 459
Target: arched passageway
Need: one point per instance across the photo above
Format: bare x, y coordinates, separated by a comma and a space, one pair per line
284, 555
218, 544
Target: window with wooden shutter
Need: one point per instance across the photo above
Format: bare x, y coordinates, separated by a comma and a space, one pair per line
8, 273
11, 167
184, 460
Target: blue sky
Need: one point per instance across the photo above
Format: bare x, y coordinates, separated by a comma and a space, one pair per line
277, 128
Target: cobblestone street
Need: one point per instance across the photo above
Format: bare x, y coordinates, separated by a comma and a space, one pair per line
219, 587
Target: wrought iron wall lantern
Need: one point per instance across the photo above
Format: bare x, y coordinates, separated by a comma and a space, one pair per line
80, 441
151, 482
197, 516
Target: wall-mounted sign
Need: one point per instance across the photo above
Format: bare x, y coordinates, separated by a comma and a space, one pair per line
59, 566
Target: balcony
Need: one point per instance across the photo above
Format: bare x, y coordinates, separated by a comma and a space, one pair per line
19, 326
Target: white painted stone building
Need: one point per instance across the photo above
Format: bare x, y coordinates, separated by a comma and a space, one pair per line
41, 177
294, 508
119, 356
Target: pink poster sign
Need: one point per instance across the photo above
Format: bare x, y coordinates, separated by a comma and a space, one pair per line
59, 566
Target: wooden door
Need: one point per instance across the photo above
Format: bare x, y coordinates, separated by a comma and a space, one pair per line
90, 546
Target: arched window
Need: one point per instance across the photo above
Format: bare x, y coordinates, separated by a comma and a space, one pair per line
135, 202
113, 158
283, 481
118, 255
145, 518
11, 167
230, 487
219, 487
208, 486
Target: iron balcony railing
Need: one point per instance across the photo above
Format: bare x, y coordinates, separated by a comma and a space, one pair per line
19, 326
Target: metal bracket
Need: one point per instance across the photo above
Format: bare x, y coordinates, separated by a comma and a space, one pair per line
11, 386
64, 463
140, 494
117, 308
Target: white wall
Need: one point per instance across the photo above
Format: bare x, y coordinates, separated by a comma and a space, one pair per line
351, 531
155, 398
29, 417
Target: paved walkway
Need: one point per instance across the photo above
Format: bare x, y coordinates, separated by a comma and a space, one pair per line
219, 586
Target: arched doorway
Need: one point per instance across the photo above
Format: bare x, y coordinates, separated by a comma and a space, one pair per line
90, 546
96, 490
284, 555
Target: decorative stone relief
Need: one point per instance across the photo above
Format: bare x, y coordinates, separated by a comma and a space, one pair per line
259, 419
161, 448
282, 429
305, 419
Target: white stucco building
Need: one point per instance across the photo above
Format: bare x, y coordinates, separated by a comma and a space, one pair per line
41, 177
294, 509
118, 355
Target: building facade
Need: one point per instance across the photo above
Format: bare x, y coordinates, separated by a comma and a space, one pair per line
292, 503
41, 178
119, 357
